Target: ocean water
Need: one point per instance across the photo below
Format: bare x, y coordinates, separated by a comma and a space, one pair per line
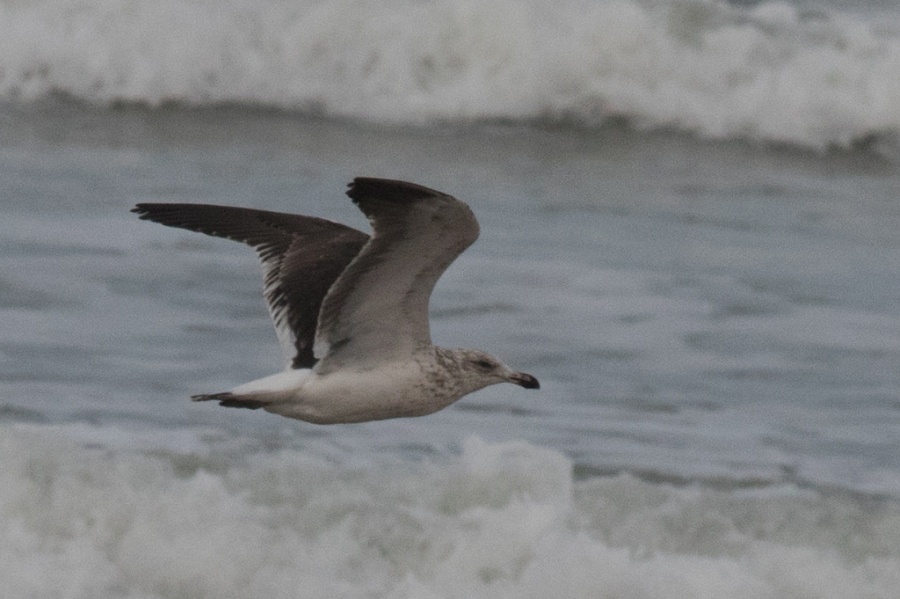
690, 234
817, 73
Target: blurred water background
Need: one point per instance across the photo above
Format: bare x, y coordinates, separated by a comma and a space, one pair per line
690, 221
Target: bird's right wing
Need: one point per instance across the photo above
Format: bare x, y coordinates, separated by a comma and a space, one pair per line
377, 309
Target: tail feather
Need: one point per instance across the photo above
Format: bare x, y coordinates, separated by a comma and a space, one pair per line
230, 400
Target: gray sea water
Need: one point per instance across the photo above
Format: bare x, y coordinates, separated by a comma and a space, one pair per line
715, 326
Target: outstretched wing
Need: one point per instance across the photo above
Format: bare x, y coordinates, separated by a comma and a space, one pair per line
302, 256
377, 309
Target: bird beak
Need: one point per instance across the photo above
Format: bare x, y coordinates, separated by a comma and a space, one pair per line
524, 380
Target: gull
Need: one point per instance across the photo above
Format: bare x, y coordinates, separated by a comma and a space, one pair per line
351, 310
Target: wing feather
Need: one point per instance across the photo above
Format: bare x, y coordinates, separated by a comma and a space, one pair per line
377, 309
302, 256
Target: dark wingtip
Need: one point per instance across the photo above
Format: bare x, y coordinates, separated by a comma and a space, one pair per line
144, 211
387, 189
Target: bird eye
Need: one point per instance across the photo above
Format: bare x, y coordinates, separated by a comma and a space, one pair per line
484, 364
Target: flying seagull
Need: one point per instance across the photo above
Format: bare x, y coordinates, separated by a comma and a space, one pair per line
350, 310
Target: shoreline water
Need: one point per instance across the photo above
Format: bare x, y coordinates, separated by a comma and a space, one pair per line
656, 279
811, 73
713, 324
690, 215
495, 520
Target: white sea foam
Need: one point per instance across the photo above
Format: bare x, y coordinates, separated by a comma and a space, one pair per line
500, 520
769, 72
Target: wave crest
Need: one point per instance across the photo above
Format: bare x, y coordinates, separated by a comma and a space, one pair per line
769, 72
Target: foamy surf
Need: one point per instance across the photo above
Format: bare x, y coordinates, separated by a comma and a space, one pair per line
496, 520
770, 72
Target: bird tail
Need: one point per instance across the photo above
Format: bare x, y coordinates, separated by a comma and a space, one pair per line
261, 392
230, 400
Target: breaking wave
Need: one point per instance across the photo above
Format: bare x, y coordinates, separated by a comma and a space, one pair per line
769, 72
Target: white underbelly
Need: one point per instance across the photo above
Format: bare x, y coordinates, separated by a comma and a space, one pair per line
346, 396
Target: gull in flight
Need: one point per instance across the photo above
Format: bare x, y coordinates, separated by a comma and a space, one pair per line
351, 310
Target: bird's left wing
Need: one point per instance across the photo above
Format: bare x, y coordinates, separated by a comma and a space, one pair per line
302, 256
